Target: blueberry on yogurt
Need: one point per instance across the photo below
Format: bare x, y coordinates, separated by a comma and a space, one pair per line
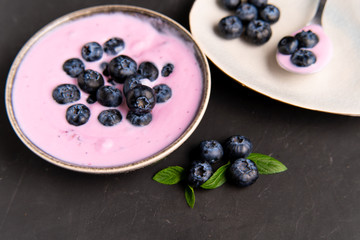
121, 67
90, 81
114, 46
66, 93
148, 70
92, 51
73, 67
110, 117
303, 58
163, 93
77, 114
139, 119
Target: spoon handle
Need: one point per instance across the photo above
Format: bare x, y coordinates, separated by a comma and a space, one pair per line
318, 15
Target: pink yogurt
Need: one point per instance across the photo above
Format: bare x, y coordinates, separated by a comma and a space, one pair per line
323, 52
43, 121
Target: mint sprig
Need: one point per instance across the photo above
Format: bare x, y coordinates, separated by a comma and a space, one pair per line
174, 174
266, 164
170, 175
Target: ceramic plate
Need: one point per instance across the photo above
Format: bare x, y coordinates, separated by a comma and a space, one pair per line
335, 89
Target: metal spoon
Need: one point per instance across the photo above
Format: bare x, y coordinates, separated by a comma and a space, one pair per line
323, 50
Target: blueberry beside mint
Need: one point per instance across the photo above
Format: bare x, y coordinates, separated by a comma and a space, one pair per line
230, 27
258, 32
270, 13
211, 151
114, 46
66, 93
307, 39
90, 81
288, 45
139, 119
148, 70
141, 99
121, 67
110, 117
73, 67
247, 12
77, 114
198, 173
238, 147
92, 51
167, 69
109, 96
243, 172
303, 58
163, 93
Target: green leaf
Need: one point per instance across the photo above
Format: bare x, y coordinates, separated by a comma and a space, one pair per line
217, 179
267, 164
190, 196
170, 175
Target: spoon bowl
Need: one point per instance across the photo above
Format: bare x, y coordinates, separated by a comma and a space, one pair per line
323, 50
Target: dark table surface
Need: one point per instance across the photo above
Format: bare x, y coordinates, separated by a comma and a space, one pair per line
317, 198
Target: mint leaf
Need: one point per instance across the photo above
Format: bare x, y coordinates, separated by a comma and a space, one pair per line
217, 179
169, 176
190, 196
267, 164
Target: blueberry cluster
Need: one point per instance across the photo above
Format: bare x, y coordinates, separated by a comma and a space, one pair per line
242, 171
251, 19
122, 70
294, 46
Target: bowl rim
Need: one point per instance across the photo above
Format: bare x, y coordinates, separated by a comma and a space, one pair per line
202, 60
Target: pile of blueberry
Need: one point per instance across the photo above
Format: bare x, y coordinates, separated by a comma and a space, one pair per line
242, 171
122, 70
294, 46
250, 19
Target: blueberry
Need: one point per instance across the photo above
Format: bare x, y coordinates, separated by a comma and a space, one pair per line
121, 67
258, 32
77, 114
238, 147
167, 69
199, 172
110, 117
114, 46
258, 3
247, 12
66, 93
270, 13
91, 51
243, 172
109, 96
139, 119
91, 98
230, 27
303, 58
90, 81
288, 45
307, 39
131, 82
163, 93
73, 67
230, 4
105, 69
211, 151
141, 99
148, 70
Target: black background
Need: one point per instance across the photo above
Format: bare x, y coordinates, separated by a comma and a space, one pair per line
317, 198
